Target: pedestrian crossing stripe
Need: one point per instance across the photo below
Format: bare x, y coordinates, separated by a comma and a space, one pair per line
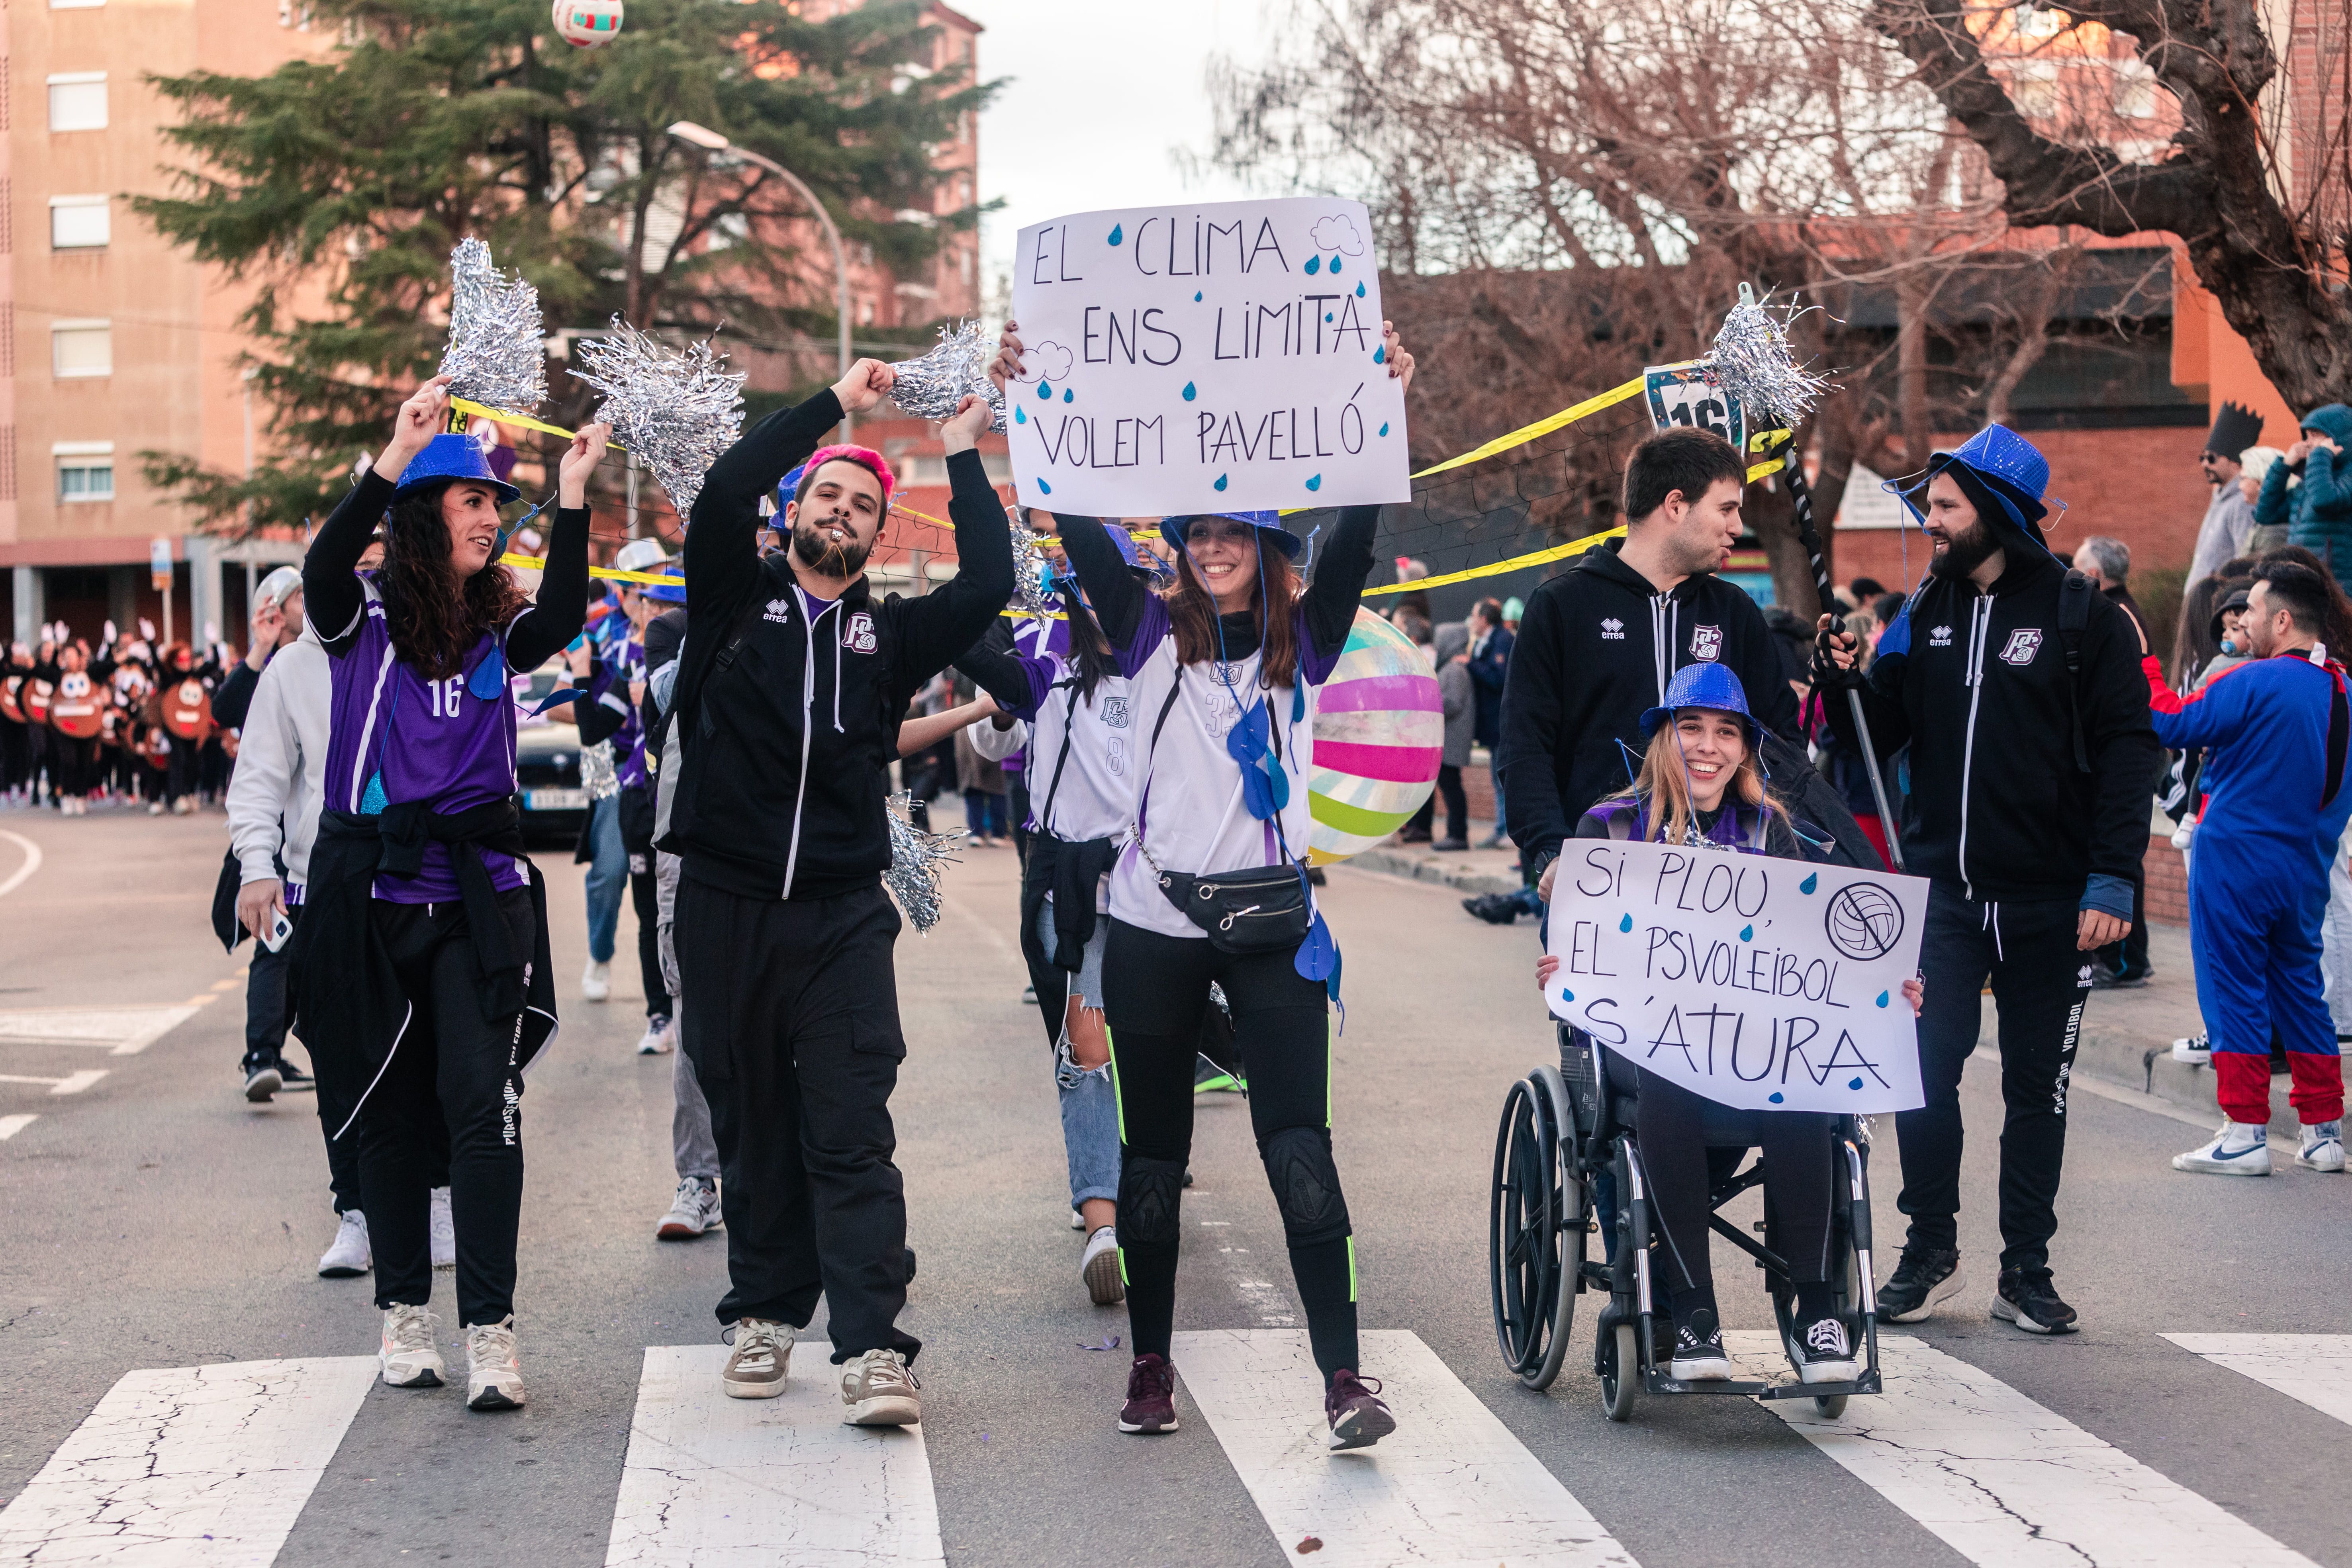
2006, 1482
119, 1031
2315, 1369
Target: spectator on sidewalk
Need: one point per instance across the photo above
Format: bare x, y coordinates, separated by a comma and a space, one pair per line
2276, 731
2310, 488
2229, 524
1489, 662
1460, 697
2254, 467
2107, 563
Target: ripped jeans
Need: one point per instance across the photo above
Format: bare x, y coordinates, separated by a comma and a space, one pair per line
1089, 1103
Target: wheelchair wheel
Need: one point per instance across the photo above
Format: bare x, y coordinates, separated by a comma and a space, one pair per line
1535, 1204
1830, 1406
1621, 1373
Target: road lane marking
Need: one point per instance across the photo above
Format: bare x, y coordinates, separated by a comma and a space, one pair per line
121, 1031
32, 862
189, 1465
2314, 1368
231, 984
2004, 1481
1450, 1485
712, 1480
72, 1083
12, 1125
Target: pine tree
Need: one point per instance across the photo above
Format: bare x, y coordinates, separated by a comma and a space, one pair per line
336, 188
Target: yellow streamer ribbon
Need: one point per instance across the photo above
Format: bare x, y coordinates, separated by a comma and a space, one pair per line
1496, 568
472, 409
1541, 427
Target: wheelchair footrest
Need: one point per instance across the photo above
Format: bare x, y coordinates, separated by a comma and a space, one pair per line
1664, 1383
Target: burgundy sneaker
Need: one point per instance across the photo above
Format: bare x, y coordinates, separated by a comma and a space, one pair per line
1357, 1417
1151, 1396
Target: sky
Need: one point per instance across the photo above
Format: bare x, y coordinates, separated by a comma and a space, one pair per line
1103, 96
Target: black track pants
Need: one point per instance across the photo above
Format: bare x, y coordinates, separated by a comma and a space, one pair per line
1155, 988
454, 1066
2040, 982
795, 1040
1672, 1126
644, 896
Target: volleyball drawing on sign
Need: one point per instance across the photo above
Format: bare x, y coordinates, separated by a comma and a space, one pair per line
1191, 359
1380, 733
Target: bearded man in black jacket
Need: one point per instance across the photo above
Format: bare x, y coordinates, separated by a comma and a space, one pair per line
2018, 688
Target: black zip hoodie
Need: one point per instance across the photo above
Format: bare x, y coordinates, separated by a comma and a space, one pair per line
792, 723
1598, 647
1980, 693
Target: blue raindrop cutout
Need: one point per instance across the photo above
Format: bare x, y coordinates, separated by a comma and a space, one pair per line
1810, 883
1748, 933
1335, 264
1384, 428
1068, 396
1568, 995
1196, 296
1043, 486
1853, 1083
1327, 315
1315, 483
1359, 291
1021, 417
1380, 354
1191, 392
1045, 391
1221, 481
1882, 998
1777, 1097
1314, 264
1118, 233
1625, 922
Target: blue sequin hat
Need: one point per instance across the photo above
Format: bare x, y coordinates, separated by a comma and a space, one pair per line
1171, 529
450, 456
1704, 685
2003, 473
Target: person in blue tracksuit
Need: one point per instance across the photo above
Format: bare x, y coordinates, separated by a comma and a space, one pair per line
2275, 730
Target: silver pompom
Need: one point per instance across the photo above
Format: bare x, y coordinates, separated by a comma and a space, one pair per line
1028, 568
917, 858
497, 342
932, 387
1754, 359
676, 410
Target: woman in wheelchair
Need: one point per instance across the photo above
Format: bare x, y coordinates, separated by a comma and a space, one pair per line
1701, 784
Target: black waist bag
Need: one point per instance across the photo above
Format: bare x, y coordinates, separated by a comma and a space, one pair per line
1260, 909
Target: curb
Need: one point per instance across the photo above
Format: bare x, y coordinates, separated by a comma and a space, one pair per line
1398, 861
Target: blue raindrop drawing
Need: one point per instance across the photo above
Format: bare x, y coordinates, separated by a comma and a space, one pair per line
1853, 1083
1315, 483
1021, 417
1568, 995
1068, 396
1777, 1097
1625, 922
1314, 264
1191, 392
1118, 233
1359, 291
1810, 883
1221, 481
1384, 427
1380, 354
1882, 998
1044, 392
1335, 264
1748, 933
1045, 487
1196, 296
1327, 315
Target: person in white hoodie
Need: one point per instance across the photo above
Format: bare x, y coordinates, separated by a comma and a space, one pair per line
273, 818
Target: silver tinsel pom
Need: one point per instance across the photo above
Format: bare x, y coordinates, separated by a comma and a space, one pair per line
675, 410
930, 387
917, 858
1028, 568
598, 774
497, 342
1754, 359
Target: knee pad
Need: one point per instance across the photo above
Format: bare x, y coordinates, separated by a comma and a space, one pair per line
1150, 1192
1306, 1183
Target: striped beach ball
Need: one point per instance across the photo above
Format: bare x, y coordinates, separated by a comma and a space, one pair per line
1379, 731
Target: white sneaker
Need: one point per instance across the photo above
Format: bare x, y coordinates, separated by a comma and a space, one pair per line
408, 1358
493, 1371
348, 1256
2197, 1050
444, 1230
880, 1390
597, 981
2323, 1147
659, 1038
1098, 1267
761, 1361
694, 1210
1077, 1220
2240, 1149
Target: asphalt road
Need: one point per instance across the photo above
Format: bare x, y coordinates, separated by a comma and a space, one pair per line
154, 1220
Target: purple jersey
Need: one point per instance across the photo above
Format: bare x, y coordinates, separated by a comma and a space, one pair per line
445, 742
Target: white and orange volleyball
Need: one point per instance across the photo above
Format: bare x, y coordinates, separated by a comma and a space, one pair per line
1380, 733
587, 23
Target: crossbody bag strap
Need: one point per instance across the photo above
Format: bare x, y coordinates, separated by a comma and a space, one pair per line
1069, 724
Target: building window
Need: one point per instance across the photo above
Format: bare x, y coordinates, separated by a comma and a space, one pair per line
79, 223
81, 348
77, 101
85, 470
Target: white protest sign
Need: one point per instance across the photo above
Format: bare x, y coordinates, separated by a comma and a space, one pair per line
1763, 984
1222, 356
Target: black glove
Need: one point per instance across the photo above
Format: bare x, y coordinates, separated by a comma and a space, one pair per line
1827, 675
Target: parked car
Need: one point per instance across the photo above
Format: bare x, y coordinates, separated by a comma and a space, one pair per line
547, 763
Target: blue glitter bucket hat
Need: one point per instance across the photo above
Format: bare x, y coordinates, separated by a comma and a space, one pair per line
2004, 475
448, 457
1709, 686
1171, 529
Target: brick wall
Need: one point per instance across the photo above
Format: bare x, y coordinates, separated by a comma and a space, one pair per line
2167, 882
2139, 486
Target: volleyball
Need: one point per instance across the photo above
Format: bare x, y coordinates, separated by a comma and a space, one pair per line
587, 23
1380, 732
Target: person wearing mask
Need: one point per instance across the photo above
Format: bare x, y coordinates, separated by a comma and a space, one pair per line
2229, 525
790, 692
2309, 489
421, 959
2275, 732
2018, 691
2106, 561
1488, 659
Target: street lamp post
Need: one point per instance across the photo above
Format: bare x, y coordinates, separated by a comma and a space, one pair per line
710, 141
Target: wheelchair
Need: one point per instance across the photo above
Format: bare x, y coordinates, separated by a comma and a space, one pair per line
1568, 1168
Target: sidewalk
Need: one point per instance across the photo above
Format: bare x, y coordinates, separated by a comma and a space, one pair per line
1468, 872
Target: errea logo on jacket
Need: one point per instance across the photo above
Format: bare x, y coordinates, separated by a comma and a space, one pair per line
1941, 638
1613, 629
779, 610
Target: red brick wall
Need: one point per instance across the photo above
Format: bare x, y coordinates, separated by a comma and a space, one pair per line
2139, 486
2167, 882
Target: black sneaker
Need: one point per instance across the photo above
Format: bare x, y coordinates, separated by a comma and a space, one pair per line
1821, 1352
2106, 979
1150, 1405
1923, 1277
1359, 1417
1699, 1355
1494, 909
294, 1080
2026, 1297
263, 1076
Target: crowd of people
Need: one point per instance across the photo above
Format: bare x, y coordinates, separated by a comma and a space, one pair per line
129, 720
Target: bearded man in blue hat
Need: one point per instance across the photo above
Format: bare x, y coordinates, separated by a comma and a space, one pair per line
2015, 683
